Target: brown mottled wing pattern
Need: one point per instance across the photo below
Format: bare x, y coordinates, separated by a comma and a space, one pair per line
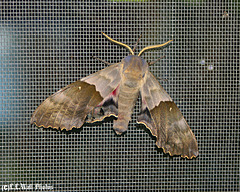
105, 80
165, 121
70, 106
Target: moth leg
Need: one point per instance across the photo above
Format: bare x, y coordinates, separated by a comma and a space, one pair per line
107, 63
135, 46
92, 117
153, 62
162, 79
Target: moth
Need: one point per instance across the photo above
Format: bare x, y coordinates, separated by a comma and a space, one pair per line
113, 91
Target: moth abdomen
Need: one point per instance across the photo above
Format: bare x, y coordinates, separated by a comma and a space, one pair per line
126, 101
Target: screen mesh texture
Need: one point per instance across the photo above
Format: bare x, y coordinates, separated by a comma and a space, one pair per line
46, 45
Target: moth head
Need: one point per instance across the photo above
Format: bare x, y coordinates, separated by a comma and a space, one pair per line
134, 67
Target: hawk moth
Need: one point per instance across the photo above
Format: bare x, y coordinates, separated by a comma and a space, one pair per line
113, 91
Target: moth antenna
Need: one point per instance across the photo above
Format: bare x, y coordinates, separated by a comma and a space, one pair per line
152, 62
135, 46
154, 47
162, 79
119, 43
107, 63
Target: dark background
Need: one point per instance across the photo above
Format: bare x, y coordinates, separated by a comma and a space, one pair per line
45, 46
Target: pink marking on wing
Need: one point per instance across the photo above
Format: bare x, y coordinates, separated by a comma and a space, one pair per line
114, 93
144, 102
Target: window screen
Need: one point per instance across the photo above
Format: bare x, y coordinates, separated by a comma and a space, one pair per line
46, 45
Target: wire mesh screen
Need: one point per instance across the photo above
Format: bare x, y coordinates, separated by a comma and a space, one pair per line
47, 45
